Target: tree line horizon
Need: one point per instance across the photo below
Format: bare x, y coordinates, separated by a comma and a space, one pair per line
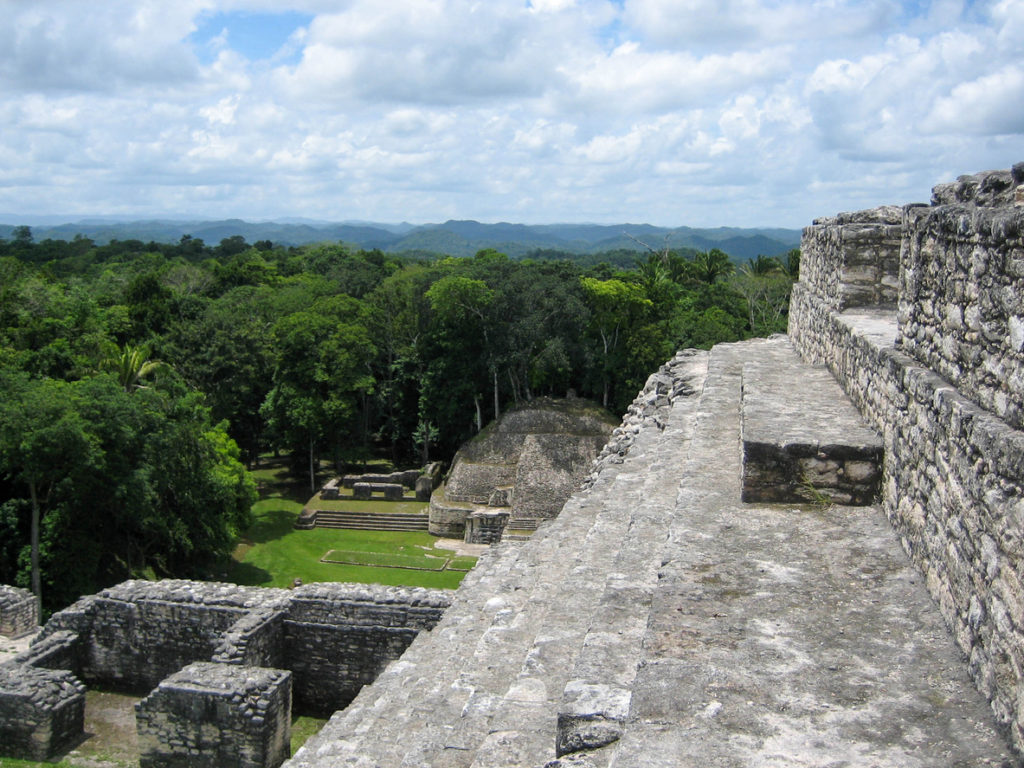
141, 379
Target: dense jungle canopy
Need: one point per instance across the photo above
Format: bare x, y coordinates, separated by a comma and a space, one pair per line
141, 379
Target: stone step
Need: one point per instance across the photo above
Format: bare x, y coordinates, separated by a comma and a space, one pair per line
594, 703
492, 665
371, 521
790, 636
803, 440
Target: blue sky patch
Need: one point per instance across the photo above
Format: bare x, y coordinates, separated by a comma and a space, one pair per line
257, 36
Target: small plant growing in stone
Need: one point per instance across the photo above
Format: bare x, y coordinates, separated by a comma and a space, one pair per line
813, 494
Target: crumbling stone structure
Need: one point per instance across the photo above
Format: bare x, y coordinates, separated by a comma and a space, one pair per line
19, 611
42, 711
318, 644
519, 470
941, 376
216, 716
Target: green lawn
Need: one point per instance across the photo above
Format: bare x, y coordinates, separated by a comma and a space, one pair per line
273, 554
412, 507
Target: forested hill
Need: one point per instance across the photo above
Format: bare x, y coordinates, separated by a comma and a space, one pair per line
455, 238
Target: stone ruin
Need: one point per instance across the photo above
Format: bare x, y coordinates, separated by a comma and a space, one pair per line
919, 314
519, 470
223, 664
19, 612
662, 619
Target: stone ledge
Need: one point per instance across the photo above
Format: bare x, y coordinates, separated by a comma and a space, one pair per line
803, 440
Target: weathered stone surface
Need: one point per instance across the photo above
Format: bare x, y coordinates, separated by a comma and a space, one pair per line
954, 471
803, 442
530, 460
216, 716
19, 612
42, 711
961, 312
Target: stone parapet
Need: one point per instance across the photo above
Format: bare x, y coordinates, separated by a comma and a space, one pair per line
216, 716
961, 309
42, 711
19, 611
855, 258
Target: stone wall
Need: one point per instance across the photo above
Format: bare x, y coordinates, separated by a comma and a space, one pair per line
941, 382
216, 716
961, 310
338, 637
334, 638
19, 611
137, 633
42, 711
857, 258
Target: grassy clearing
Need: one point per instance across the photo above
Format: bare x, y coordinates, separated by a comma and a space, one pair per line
273, 554
354, 505
423, 562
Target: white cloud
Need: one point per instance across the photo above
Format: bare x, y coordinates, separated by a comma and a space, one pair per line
670, 111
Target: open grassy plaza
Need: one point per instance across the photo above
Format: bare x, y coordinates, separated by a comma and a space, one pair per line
273, 554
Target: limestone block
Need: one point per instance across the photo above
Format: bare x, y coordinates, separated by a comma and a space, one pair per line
362, 491
42, 711
19, 611
217, 716
424, 487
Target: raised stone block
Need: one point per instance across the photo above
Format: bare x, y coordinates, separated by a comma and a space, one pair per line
485, 526
424, 487
362, 491
19, 611
330, 490
42, 711
803, 440
216, 716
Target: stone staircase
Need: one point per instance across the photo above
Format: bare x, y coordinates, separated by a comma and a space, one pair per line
371, 521
661, 621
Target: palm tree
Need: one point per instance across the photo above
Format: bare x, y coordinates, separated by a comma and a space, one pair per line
132, 364
711, 265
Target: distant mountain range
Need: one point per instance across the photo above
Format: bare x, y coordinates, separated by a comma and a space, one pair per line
455, 238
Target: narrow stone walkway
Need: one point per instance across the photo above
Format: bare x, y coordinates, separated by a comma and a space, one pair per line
660, 621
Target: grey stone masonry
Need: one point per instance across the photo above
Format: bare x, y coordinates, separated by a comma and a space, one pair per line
659, 621
42, 711
335, 637
961, 311
216, 716
338, 637
803, 441
942, 382
138, 632
19, 612
858, 258
391, 491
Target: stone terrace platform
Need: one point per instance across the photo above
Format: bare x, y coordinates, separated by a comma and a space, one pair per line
661, 621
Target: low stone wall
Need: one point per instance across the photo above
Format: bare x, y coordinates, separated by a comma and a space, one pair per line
216, 716
137, 633
334, 637
338, 637
19, 611
953, 483
42, 711
857, 258
391, 491
405, 477
961, 311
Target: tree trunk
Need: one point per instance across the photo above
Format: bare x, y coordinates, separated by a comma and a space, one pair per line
37, 582
312, 473
479, 416
497, 410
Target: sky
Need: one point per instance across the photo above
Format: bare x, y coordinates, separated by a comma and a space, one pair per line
670, 112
